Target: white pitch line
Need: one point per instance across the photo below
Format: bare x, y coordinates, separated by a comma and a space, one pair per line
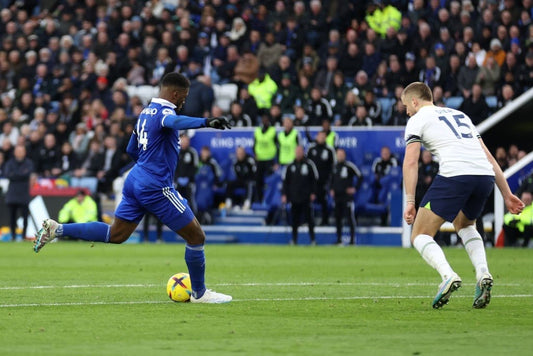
287, 284
383, 297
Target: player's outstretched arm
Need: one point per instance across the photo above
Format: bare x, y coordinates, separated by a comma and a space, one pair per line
182, 122
220, 123
512, 202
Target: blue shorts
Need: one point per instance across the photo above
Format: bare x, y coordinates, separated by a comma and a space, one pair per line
448, 195
138, 197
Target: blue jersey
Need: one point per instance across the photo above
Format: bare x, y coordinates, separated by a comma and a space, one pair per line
155, 143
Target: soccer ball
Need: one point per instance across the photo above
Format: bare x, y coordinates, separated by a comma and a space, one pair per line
179, 287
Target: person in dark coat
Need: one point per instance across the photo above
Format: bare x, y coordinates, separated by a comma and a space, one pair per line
18, 170
299, 187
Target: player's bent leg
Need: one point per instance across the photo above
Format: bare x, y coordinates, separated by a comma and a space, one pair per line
424, 228
121, 230
92, 231
475, 248
195, 260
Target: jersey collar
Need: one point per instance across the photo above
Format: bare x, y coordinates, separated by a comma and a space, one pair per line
164, 102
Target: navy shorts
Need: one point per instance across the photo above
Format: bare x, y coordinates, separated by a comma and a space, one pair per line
448, 195
164, 202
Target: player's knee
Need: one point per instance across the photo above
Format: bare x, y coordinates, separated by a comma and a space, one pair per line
117, 238
197, 238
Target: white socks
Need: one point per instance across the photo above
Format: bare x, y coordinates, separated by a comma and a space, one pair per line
476, 250
433, 255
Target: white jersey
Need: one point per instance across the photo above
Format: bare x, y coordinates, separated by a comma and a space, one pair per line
449, 135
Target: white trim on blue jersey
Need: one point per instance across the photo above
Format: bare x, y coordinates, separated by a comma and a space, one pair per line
173, 199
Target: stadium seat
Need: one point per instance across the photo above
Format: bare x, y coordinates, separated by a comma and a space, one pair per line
491, 101
144, 92
386, 109
454, 101
224, 95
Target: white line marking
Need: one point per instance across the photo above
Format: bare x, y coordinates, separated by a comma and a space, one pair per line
384, 297
251, 284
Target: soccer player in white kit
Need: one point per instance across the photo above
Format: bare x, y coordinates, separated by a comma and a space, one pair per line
466, 177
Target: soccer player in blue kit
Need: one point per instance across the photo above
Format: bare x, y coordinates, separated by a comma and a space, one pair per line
154, 146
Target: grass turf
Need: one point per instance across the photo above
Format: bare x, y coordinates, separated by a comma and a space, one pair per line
71, 299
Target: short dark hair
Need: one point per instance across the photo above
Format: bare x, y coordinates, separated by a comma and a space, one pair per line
175, 79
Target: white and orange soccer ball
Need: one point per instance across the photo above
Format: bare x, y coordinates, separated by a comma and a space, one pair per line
179, 287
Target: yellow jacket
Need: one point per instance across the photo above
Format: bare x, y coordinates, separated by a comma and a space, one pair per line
263, 91
525, 218
381, 19
73, 211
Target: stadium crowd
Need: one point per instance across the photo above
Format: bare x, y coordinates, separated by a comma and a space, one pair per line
67, 67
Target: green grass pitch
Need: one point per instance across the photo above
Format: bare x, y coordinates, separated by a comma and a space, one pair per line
74, 299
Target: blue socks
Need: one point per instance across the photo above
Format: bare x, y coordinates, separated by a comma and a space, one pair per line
92, 231
195, 259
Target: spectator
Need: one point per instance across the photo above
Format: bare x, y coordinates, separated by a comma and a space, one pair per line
488, 76
207, 160
509, 73
379, 81
248, 104
201, 97
451, 75
336, 94
381, 167
380, 18
371, 59
430, 74
269, 51
399, 115
237, 32
247, 68
146, 227
18, 170
501, 157
317, 108
284, 67
80, 209
226, 71
519, 225
265, 150
9, 133
343, 188
496, 51
299, 186
467, 76
526, 72
507, 95
286, 94
48, 159
411, 72
112, 163
288, 140
244, 170
373, 107
236, 116
350, 62
69, 161
324, 77
427, 170
263, 89
362, 85
475, 106
323, 156
184, 176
